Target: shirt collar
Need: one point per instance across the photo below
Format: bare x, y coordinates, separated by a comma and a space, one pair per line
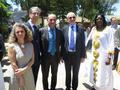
73, 25
31, 24
49, 28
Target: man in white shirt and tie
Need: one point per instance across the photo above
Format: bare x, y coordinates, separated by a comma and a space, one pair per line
73, 50
34, 14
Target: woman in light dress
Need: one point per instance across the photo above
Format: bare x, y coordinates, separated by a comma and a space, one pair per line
117, 44
102, 49
21, 55
2, 86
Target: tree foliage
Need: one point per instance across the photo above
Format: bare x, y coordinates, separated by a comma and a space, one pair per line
4, 17
85, 8
89, 8
4, 12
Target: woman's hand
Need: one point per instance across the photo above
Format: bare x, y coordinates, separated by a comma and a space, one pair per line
82, 60
19, 72
108, 62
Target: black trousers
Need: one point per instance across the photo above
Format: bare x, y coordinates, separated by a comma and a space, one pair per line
36, 65
72, 64
35, 69
116, 52
48, 61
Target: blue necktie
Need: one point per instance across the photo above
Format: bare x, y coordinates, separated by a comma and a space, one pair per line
72, 45
35, 28
53, 47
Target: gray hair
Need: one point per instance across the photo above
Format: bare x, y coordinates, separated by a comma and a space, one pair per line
51, 15
34, 9
28, 34
70, 13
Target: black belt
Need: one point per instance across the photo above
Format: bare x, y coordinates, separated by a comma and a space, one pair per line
49, 54
71, 53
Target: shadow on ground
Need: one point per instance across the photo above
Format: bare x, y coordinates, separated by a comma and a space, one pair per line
59, 89
87, 86
91, 88
7, 79
5, 62
115, 89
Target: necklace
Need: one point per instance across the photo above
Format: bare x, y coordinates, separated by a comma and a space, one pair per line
22, 46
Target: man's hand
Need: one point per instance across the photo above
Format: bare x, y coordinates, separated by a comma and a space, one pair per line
82, 60
61, 60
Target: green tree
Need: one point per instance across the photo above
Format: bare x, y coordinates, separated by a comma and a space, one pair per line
85, 8
4, 17
89, 8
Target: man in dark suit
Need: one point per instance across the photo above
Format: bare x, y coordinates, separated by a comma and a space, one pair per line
51, 41
34, 13
2, 47
73, 50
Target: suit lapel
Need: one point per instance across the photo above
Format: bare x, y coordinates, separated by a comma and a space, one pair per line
29, 26
46, 33
66, 35
57, 37
66, 32
76, 33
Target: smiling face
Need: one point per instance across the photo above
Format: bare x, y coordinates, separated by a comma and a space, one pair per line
52, 20
71, 18
34, 14
114, 21
99, 21
20, 33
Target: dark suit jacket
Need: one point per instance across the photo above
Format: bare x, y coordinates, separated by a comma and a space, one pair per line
36, 43
80, 42
2, 47
45, 42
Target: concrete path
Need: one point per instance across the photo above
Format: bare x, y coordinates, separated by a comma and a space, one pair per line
84, 83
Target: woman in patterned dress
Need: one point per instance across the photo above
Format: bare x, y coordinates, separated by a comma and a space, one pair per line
102, 49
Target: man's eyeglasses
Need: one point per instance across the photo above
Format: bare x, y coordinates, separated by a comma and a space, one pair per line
52, 19
72, 17
35, 13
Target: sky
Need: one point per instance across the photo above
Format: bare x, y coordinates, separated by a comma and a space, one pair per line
14, 6
117, 5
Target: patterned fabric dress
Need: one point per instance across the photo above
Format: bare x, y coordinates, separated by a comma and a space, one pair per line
22, 59
101, 74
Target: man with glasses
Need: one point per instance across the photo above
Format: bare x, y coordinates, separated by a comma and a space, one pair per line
73, 50
34, 14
